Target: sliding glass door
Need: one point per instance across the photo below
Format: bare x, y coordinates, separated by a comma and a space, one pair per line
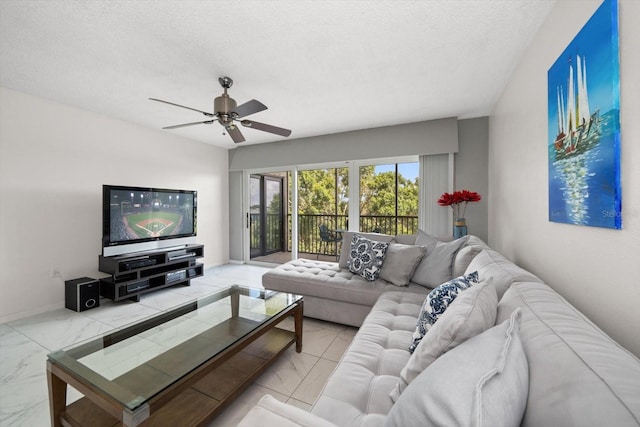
266, 215
306, 211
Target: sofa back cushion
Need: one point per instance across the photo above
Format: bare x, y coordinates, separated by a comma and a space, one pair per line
464, 257
467, 253
489, 263
577, 374
405, 239
437, 265
400, 262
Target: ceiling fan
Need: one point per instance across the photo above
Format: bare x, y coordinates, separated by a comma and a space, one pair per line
227, 112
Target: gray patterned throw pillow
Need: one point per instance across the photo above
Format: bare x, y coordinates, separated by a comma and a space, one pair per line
437, 302
366, 257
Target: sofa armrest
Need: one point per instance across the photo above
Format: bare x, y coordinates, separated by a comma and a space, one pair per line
270, 412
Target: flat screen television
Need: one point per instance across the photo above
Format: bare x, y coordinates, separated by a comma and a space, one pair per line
137, 218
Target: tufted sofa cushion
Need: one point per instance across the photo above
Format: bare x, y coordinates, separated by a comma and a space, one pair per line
327, 280
357, 394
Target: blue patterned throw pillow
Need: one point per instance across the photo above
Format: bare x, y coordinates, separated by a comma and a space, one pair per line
437, 302
366, 257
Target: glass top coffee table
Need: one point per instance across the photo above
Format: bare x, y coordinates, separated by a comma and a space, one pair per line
179, 367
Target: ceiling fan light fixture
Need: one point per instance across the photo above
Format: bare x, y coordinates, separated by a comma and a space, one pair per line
224, 104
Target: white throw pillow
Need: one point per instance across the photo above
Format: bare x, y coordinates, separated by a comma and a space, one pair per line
437, 265
482, 382
473, 312
437, 302
400, 262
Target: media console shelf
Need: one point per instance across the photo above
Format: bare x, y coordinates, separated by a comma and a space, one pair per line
137, 273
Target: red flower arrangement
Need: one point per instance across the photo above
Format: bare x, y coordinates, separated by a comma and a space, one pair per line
456, 198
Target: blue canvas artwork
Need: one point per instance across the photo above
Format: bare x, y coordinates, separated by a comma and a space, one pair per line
584, 126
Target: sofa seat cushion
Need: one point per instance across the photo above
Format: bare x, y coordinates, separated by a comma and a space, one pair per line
327, 280
578, 375
357, 394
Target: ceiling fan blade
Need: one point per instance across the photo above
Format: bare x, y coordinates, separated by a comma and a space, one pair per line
249, 107
235, 134
266, 128
206, 122
182, 106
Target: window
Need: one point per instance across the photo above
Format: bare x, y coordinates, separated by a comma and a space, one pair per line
384, 199
389, 198
322, 200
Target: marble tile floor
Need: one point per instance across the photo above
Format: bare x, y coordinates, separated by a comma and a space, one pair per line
295, 378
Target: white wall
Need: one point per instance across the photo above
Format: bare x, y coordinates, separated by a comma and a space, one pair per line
53, 162
596, 269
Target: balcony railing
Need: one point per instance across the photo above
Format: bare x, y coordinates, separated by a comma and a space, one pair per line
309, 235
309, 229
273, 232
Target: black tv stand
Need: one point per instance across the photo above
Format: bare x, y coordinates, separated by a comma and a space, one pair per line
137, 273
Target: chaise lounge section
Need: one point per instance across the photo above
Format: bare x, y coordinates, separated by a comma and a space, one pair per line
335, 294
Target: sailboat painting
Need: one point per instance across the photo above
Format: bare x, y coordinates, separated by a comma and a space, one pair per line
584, 126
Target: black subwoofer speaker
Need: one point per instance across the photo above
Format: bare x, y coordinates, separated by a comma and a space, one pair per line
81, 294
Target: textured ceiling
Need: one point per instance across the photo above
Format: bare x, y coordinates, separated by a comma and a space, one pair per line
320, 66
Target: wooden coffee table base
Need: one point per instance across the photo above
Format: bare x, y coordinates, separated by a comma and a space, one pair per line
195, 400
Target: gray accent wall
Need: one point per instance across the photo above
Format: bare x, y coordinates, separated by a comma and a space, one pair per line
471, 171
411, 139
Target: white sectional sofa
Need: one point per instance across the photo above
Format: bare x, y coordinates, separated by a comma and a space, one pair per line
539, 363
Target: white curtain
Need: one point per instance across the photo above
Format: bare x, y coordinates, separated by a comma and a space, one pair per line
436, 178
